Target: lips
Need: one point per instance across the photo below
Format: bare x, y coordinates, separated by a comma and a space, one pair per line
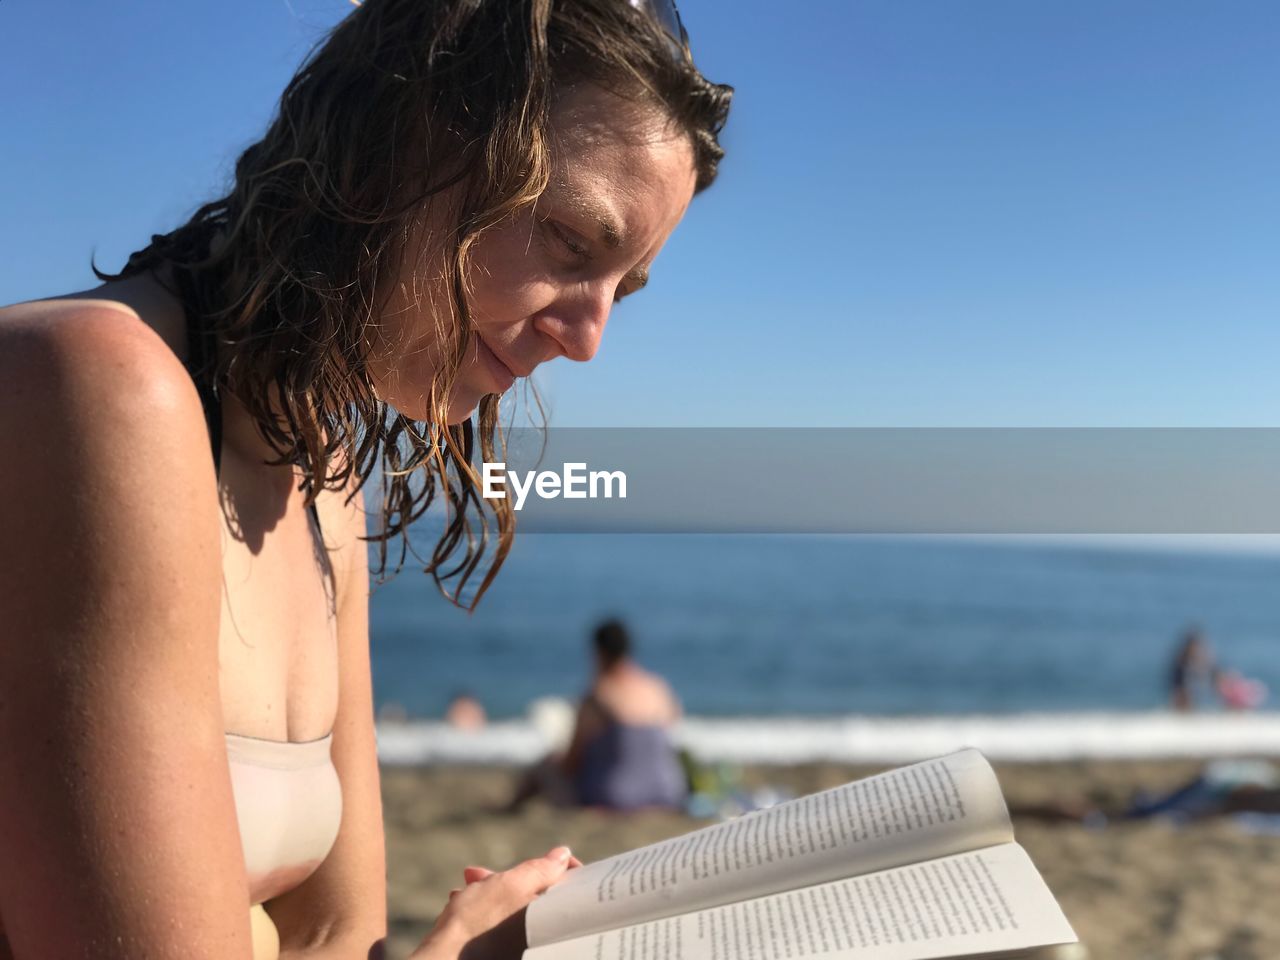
502, 374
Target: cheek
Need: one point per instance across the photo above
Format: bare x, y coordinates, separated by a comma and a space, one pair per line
408, 321
507, 282
495, 304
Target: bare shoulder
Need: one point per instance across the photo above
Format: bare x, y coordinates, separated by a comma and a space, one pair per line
72, 348
86, 371
109, 433
31, 316
89, 391
664, 693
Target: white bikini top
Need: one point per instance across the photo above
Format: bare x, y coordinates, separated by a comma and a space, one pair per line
289, 806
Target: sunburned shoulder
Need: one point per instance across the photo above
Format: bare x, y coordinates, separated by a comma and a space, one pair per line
652, 681
116, 489
660, 693
96, 380
94, 359
58, 315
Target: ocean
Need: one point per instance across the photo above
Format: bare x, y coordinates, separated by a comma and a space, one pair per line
825, 631
777, 625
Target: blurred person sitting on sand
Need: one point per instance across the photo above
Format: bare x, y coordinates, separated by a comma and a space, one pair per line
465, 712
1192, 667
450, 193
620, 755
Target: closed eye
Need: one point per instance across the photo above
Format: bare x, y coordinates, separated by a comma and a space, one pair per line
569, 240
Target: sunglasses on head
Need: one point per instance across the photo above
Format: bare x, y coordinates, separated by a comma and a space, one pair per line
667, 17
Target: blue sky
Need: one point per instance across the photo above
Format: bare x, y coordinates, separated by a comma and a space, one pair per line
959, 213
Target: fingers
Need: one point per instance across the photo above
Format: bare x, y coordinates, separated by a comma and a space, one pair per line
560, 855
475, 874
534, 876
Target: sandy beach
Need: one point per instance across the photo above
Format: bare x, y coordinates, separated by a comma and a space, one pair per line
1136, 891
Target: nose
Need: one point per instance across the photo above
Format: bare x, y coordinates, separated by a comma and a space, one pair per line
576, 320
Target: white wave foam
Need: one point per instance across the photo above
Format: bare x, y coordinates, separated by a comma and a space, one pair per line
865, 739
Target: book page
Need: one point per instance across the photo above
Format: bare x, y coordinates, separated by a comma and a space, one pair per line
914, 813
990, 901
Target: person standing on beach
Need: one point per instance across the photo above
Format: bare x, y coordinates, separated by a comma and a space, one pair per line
451, 193
1192, 666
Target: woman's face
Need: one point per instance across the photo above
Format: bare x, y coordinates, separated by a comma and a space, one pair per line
542, 283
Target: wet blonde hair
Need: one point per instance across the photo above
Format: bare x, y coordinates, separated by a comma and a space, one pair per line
401, 102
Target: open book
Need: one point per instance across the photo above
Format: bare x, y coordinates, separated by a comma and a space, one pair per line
912, 864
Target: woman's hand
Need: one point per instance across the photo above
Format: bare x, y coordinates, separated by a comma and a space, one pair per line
472, 875
485, 920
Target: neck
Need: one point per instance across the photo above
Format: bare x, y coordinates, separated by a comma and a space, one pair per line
618, 666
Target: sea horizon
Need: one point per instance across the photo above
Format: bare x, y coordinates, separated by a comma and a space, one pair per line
822, 626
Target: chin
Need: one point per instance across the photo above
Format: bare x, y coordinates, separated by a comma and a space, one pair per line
464, 399
461, 414
460, 409
401, 395
463, 405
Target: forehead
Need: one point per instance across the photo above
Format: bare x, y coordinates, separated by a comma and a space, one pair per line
619, 162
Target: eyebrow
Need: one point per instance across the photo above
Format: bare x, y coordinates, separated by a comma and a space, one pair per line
639, 277
611, 235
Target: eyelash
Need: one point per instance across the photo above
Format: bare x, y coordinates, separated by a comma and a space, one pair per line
575, 248
568, 242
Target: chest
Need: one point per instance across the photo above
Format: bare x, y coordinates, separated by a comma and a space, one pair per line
277, 641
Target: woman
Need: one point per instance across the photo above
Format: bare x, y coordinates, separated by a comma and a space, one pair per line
620, 755
452, 193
